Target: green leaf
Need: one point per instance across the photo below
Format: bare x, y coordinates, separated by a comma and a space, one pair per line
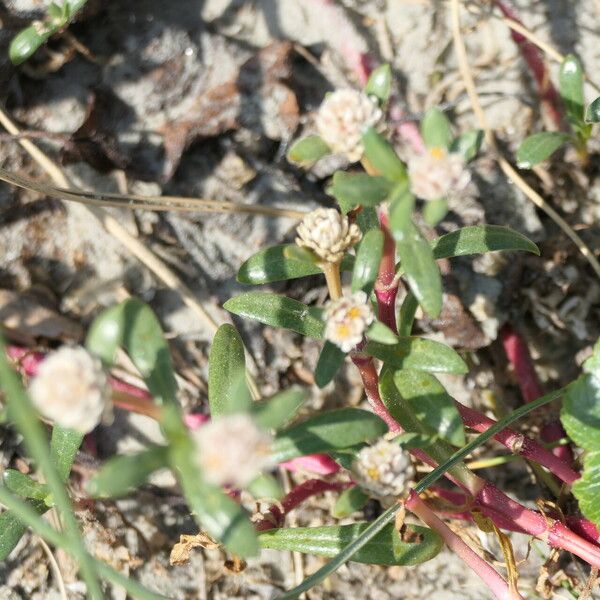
539, 147
333, 430
478, 239
379, 332
592, 114
367, 219
358, 189
24, 486
349, 502
308, 150
368, 258
12, 529
421, 270
330, 361
468, 144
419, 354
219, 515
134, 326
274, 412
26, 42
432, 405
406, 318
586, 488
570, 85
380, 83
580, 414
265, 486
227, 389
436, 129
382, 157
278, 311
386, 548
434, 211
122, 474
64, 445
280, 263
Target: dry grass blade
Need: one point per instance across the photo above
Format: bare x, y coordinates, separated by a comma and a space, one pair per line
55, 569
507, 168
156, 203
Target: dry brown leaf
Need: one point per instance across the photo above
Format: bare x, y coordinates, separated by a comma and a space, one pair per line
180, 554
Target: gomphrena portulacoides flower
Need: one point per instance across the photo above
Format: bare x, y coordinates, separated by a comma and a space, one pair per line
232, 450
342, 119
384, 469
71, 389
346, 320
328, 234
437, 174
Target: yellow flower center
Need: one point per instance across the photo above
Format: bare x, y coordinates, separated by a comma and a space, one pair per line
353, 313
373, 473
437, 153
343, 331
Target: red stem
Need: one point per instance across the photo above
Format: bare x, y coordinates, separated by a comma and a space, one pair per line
535, 61
386, 286
518, 354
312, 487
497, 585
519, 444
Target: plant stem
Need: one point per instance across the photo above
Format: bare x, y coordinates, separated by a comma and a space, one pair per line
386, 285
333, 279
497, 585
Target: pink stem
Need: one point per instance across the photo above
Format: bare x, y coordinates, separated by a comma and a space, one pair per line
299, 494
386, 286
518, 354
535, 60
519, 444
497, 585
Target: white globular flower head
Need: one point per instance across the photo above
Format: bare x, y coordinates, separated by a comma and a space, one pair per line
328, 234
437, 174
347, 319
342, 119
71, 389
232, 450
384, 469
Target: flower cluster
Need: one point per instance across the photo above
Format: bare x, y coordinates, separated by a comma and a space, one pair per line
71, 389
346, 320
342, 119
328, 234
232, 450
437, 174
383, 468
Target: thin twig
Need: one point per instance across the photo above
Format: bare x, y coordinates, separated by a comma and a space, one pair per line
507, 168
55, 568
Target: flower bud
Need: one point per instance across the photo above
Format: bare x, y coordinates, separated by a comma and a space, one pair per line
232, 450
384, 469
328, 234
347, 319
71, 389
342, 119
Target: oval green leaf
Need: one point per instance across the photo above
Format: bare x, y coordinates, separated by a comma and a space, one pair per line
580, 413
330, 361
227, 389
479, 239
24, 486
308, 150
419, 354
333, 430
386, 548
570, 85
358, 189
432, 405
379, 83
274, 412
468, 144
278, 311
382, 157
349, 502
436, 129
592, 114
538, 147
368, 258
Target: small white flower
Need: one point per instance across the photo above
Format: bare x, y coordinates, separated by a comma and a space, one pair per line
437, 174
327, 233
232, 450
383, 468
342, 118
346, 320
71, 389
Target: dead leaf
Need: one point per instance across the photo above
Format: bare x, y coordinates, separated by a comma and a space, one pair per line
258, 99
25, 320
180, 554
